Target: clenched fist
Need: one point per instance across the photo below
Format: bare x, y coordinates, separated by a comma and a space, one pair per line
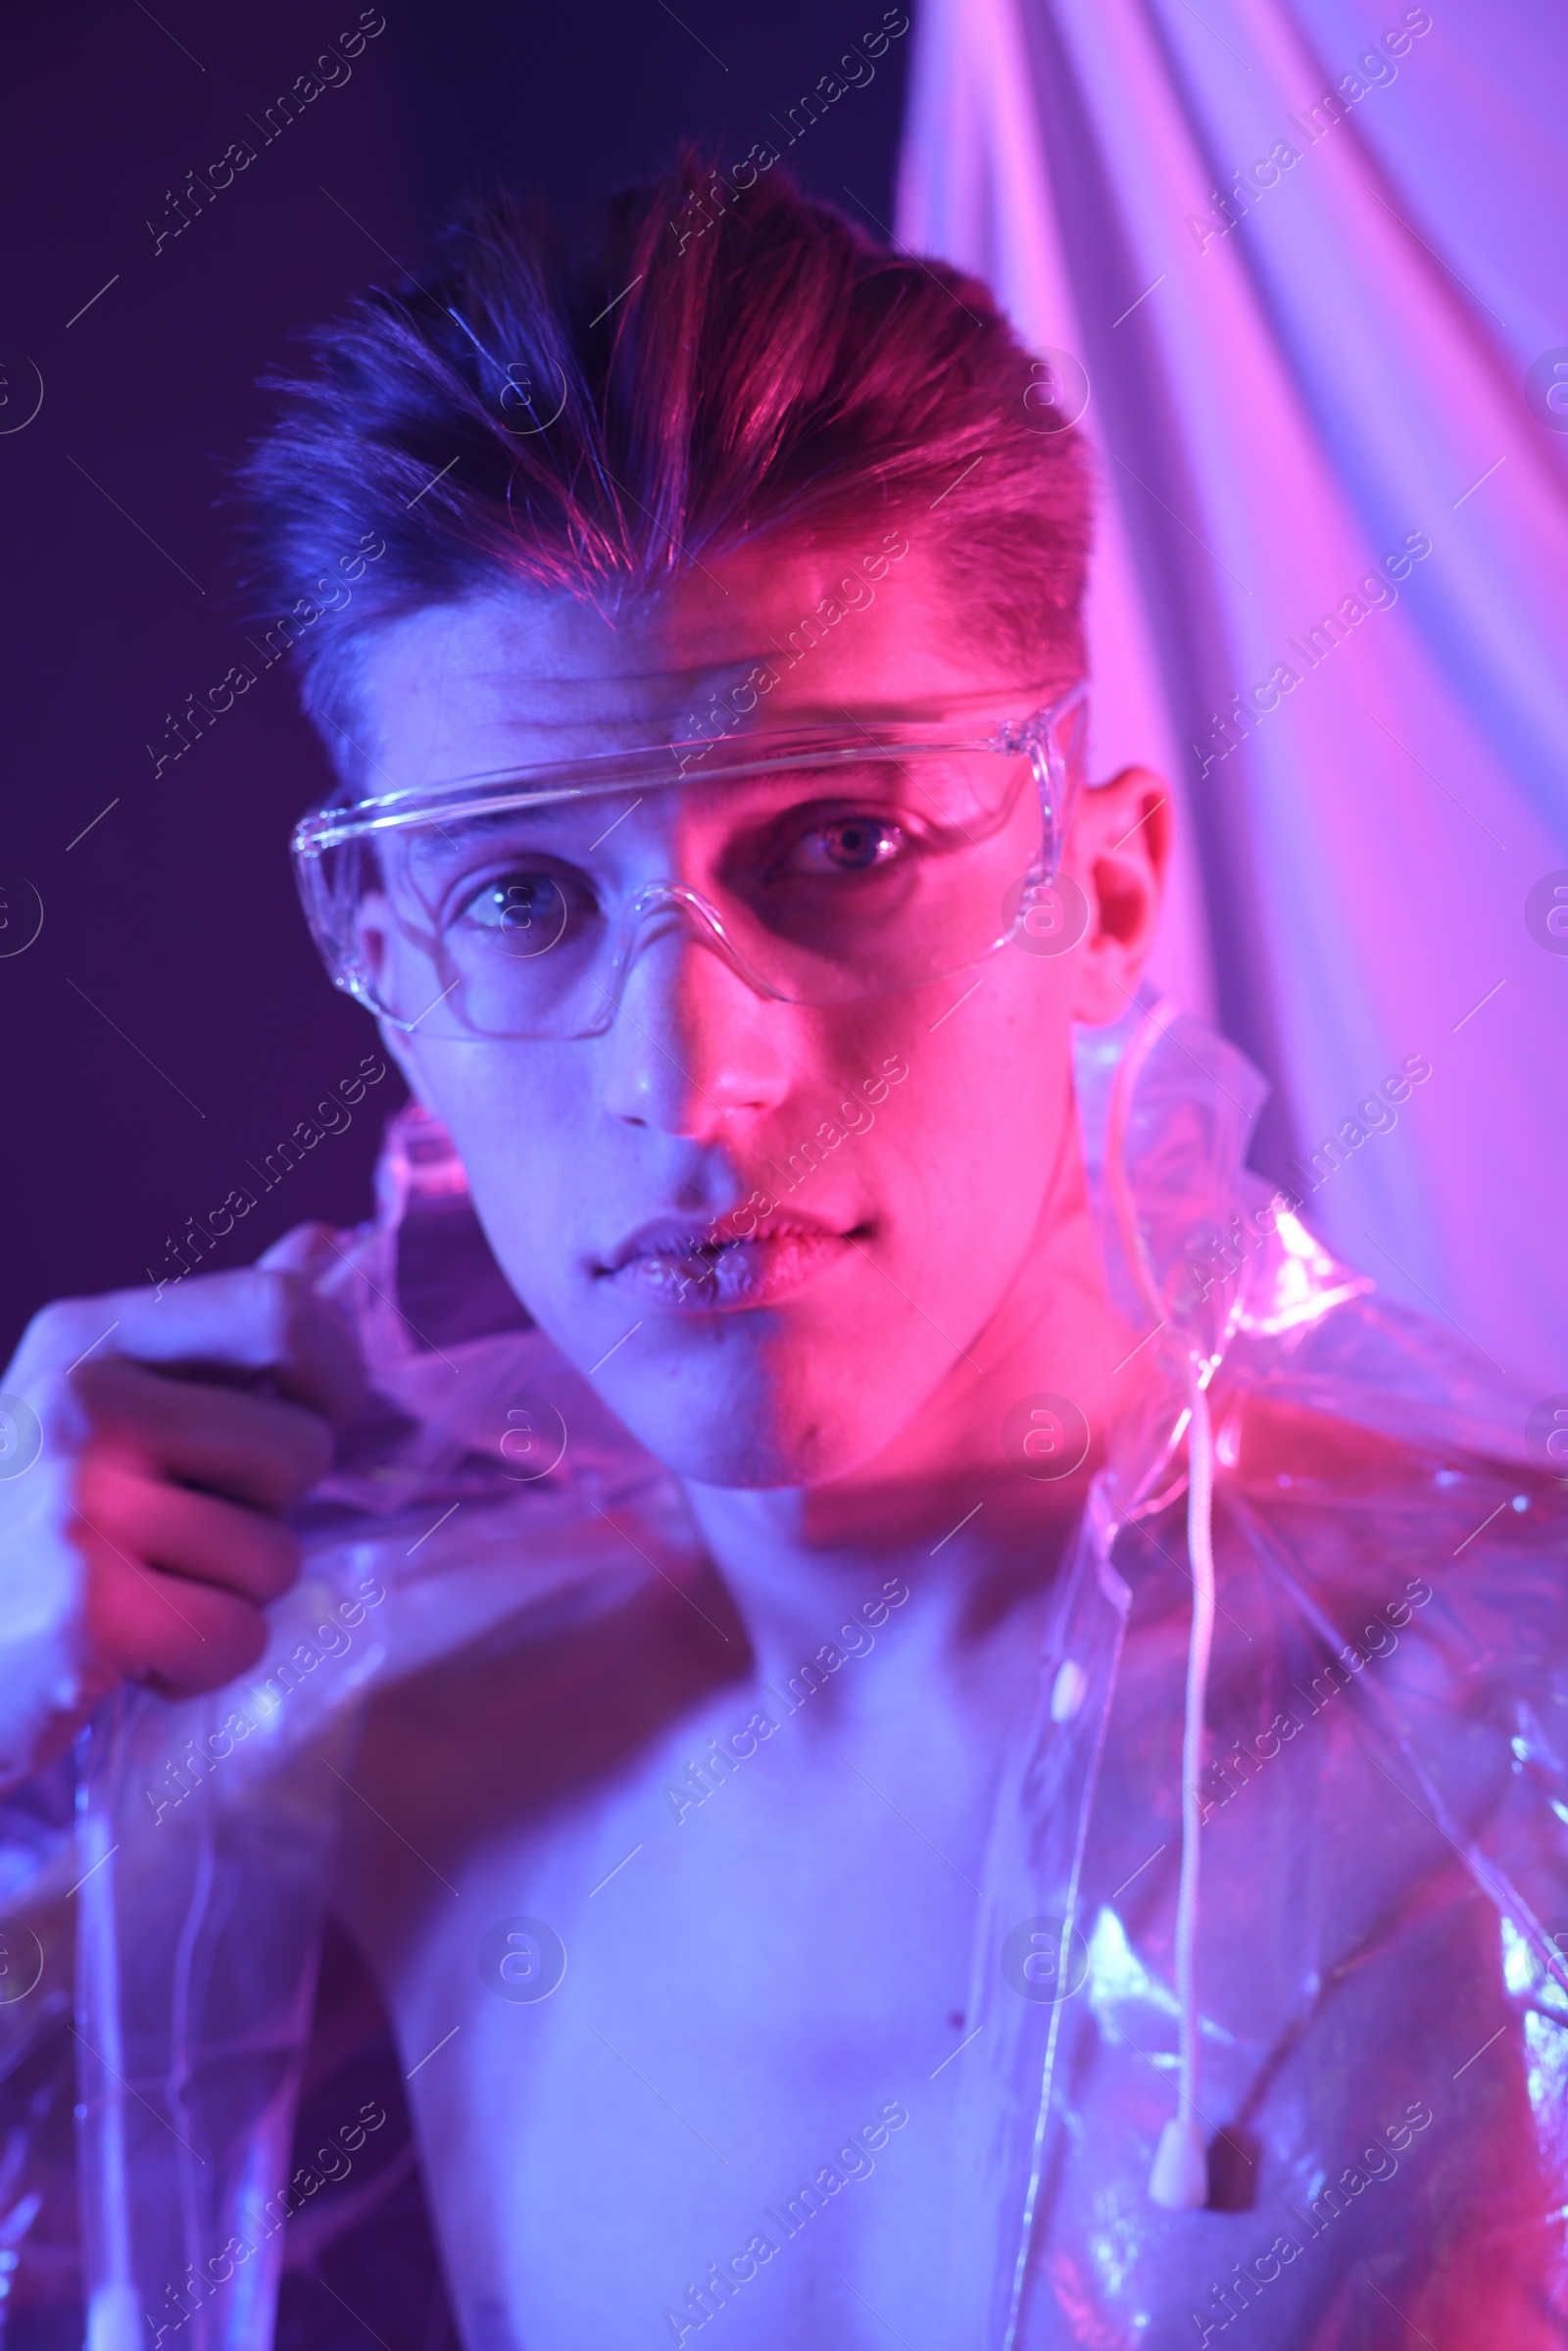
145, 1540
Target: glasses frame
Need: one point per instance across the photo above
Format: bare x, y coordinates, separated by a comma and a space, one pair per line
1052, 738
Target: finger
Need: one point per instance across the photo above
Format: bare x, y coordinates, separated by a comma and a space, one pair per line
255, 1448
258, 1319
179, 1635
197, 1536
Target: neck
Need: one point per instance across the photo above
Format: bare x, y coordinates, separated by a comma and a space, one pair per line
952, 1505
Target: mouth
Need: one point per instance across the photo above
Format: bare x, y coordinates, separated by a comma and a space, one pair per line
694, 1269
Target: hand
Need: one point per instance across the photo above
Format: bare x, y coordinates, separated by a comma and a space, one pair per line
146, 1540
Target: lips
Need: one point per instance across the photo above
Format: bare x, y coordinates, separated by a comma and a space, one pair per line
684, 1267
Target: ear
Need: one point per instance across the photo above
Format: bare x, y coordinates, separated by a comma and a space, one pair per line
1117, 852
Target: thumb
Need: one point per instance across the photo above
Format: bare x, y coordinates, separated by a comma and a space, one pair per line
313, 1254
310, 1250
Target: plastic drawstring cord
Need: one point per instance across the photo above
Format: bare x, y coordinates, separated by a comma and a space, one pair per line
114, 2316
1179, 2177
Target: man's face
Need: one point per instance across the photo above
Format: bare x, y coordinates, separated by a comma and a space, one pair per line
863, 1267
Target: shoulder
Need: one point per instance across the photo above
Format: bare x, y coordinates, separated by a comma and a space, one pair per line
1379, 1466
1393, 1567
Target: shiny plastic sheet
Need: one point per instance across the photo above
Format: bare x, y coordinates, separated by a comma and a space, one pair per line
1384, 1849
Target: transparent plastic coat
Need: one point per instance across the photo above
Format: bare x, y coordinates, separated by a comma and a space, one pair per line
1383, 1848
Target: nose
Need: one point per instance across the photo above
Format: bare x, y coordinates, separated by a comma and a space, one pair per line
693, 1045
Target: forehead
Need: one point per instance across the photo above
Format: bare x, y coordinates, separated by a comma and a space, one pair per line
854, 629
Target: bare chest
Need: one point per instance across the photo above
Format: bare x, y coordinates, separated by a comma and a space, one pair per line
683, 2014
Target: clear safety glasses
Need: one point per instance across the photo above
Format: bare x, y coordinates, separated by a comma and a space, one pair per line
823, 866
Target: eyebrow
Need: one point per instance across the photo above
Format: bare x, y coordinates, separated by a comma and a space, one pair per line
430, 841
433, 843
817, 781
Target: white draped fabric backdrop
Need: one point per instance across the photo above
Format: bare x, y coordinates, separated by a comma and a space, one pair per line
1299, 264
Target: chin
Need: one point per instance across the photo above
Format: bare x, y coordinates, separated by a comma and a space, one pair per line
736, 1438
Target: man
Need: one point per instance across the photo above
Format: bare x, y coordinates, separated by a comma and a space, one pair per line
748, 1702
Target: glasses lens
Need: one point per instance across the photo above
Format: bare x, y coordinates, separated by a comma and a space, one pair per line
820, 885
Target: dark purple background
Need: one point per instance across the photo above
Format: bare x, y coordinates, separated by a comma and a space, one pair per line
169, 1024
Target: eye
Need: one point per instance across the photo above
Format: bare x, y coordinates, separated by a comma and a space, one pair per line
519, 901
527, 911
847, 844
